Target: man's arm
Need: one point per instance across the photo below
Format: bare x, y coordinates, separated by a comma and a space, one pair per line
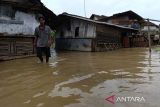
36, 37
49, 38
35, 41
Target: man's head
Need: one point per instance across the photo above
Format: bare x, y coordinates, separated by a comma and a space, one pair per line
41, 20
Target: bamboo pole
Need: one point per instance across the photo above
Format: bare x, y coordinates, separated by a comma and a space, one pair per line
149, 36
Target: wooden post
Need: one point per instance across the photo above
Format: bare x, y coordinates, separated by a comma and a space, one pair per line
149, 36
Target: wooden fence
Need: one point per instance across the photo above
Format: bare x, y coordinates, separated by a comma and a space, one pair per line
16, 45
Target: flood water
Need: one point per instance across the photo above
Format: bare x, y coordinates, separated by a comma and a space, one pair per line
82, 79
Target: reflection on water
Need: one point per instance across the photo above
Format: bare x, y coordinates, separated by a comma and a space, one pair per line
79, 79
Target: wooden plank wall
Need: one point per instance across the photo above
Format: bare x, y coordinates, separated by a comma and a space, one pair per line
16, 46
108, 38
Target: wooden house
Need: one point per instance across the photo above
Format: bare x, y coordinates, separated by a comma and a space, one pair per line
83, 34
152, 26
132, 20
124, 19
18, 20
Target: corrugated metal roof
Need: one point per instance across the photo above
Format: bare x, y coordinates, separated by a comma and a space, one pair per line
129, 13
97, 22
98, 16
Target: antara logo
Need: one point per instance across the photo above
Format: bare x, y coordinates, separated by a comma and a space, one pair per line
113, 99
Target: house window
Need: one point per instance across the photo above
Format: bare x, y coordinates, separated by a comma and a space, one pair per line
77, 32
6, 12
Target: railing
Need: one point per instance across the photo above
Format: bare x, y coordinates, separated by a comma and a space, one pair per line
105, 45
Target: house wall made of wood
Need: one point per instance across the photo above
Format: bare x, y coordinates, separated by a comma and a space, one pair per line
68, 29
16, 46
113, 34
17, 22
75, 34
107, 38
125, 21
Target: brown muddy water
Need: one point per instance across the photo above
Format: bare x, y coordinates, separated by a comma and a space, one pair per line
79, 79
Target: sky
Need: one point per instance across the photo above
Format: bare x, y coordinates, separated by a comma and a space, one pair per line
145, 8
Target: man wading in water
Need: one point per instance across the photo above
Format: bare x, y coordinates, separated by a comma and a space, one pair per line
42, 40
